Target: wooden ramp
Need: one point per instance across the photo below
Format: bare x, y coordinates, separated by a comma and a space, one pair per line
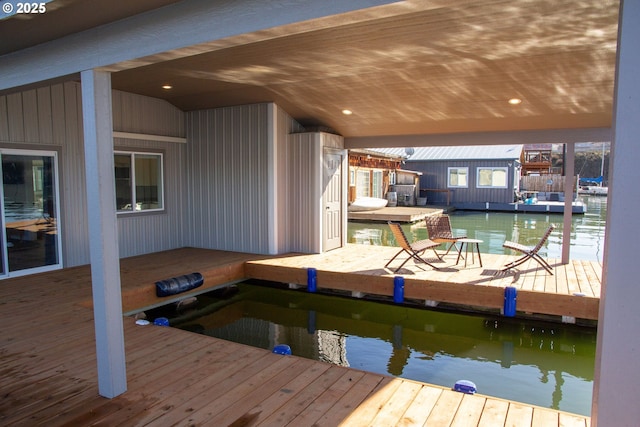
48, 369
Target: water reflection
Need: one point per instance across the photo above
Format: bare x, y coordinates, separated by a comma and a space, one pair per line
493, 228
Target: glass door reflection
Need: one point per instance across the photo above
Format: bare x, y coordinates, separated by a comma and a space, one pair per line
30, 204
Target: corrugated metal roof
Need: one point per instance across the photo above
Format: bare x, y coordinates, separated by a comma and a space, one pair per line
468, 152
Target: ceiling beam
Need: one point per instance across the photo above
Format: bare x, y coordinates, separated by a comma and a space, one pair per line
555, 136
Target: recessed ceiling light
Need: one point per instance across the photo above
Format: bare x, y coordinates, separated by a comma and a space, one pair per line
515, 101
347, 112
167, 87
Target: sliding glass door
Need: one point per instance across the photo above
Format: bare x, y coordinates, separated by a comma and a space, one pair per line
29, 207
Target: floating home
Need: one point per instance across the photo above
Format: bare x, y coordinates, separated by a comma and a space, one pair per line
486, 178
202, 108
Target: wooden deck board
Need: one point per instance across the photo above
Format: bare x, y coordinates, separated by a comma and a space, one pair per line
344, 407
422, 406
275, 401
519, 415
327, 399
365, 414
469, 412
392, 411
494, 413
48, 365
304, 398
445, 408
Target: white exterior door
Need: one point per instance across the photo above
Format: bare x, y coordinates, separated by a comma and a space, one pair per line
332, 201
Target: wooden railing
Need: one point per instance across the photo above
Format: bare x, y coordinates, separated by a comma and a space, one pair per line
550, 183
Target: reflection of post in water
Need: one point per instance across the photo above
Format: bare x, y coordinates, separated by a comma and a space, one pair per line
399, 355
311, 322
507, 354
556, 396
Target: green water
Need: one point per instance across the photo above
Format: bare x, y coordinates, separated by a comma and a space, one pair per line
493, 228
535, 363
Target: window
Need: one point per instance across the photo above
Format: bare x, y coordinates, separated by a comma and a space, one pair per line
492, 178
377, 184
363, 183
139, 180
458, 177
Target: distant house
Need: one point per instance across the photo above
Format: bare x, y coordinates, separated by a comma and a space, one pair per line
375, 174
371, 173
465, 176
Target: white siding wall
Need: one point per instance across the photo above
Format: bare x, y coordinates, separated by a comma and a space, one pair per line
303, 193
216, 185
288, 198
154, 232
50, 118
227, 173
303, 190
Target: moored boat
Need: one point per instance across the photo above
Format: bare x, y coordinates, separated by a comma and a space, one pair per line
367, 204
593, 190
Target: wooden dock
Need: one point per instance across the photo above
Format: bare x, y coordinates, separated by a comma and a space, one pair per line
48, 362
572, 291
397, 214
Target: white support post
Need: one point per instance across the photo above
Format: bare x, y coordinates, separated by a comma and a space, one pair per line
616, 386
103, 232
569, 172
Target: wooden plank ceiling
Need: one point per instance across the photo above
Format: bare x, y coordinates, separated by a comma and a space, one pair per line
409, 68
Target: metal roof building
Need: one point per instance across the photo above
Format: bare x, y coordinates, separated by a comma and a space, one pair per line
472, 152
465, 176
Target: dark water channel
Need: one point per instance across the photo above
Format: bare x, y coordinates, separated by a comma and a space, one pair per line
548, 365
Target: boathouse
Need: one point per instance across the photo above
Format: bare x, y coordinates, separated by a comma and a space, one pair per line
200, 111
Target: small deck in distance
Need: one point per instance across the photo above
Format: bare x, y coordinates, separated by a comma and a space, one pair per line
397, 214
49, 376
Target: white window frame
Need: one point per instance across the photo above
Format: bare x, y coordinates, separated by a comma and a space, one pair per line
450, 169
361, 174
161, 195
377, 190
493, 170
